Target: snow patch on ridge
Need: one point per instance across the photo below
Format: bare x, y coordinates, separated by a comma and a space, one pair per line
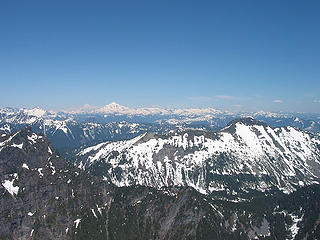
8, 185
25, 166
17, 145
77, 221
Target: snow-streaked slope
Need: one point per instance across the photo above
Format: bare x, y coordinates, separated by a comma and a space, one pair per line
67, 131
20, 143
245, 155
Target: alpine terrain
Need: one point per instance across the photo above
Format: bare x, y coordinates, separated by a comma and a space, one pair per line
68, 130
245, 156
246, 181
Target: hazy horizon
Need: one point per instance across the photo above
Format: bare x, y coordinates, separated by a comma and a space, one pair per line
89, 107
236, 55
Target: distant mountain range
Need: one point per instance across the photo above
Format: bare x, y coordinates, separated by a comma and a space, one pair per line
71, 131
91, 125
115, 108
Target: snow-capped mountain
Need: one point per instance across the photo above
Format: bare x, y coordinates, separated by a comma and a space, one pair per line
44, 197
91, 125
204, 116
245, 155
115, 108
68, 131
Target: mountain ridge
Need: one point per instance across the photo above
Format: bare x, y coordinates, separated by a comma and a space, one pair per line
263, 157
44, 197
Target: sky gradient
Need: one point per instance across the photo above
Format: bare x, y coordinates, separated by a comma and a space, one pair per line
232, 55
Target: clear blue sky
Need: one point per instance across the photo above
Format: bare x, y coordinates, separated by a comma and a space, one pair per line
245, 55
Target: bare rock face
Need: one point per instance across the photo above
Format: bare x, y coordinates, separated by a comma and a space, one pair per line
41, 195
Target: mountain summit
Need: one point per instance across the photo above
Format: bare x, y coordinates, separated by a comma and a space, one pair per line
114, 108
246, 156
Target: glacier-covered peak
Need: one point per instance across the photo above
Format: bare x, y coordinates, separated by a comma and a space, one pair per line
37, 111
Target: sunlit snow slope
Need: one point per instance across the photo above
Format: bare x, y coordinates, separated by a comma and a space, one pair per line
244, 156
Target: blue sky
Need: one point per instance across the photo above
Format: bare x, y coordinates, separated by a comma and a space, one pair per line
234, 55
